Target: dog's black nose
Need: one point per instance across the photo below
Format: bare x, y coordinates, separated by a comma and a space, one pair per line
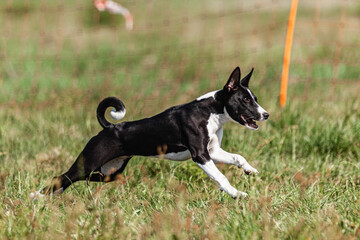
265, 115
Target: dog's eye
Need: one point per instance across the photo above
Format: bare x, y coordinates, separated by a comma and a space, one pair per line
245, 99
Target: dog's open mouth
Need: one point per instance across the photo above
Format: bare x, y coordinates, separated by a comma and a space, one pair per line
249, 122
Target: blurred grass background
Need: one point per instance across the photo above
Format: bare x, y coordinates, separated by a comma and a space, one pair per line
60, 58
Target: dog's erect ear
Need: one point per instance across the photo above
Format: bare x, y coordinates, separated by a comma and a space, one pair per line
233, 83
245, 81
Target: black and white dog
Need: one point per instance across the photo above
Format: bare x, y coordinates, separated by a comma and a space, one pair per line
193, 130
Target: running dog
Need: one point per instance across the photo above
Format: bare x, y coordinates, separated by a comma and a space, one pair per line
193, 130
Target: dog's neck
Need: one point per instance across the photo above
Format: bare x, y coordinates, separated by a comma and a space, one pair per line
219, 115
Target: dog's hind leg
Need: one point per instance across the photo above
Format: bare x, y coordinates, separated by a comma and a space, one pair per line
100, 150
110, 170
78, 171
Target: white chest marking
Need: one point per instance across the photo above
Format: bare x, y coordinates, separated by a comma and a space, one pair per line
260, 110
215, 130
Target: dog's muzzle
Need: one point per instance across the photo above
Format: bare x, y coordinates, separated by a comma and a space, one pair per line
250, 123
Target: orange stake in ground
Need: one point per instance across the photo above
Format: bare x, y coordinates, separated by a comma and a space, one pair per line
287, 53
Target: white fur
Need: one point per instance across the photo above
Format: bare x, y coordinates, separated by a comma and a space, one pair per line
215, 122
208, 95
118, 115
251, 94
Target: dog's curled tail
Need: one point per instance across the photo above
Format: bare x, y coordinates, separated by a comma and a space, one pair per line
117, 115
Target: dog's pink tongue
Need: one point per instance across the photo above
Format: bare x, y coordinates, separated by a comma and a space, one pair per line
253, 125
242, 117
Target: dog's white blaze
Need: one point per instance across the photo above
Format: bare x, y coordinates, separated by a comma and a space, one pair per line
260, 110
251, 94
118, 115
113, 165
208, 95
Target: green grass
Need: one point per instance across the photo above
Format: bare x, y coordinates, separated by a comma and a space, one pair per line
55, 72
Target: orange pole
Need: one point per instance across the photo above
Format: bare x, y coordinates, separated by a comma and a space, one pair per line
287, 52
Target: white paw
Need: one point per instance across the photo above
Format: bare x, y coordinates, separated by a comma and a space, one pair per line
36, 195
237, 194
248, 169
242, 195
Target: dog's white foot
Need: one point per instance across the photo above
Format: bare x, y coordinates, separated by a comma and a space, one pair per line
237, 194
242, 195
234, 193
36, 195
248, 169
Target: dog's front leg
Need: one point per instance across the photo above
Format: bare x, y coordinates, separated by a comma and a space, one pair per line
213, 172
218, 155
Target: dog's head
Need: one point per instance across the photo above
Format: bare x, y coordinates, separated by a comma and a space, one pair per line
240, 103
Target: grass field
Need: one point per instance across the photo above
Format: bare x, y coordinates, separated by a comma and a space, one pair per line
58, 62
